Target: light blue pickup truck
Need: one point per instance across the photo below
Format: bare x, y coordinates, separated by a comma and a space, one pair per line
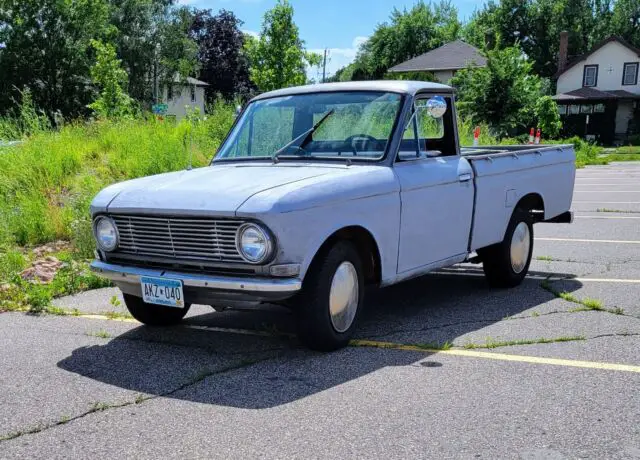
320, 190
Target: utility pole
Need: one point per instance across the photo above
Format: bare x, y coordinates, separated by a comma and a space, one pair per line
324, 66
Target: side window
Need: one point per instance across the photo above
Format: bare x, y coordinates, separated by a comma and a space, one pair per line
429, 132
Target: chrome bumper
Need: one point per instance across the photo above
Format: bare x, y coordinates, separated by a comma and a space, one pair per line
255, 288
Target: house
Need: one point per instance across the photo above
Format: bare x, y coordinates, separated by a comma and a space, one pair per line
184, 95
598, 92
445, 61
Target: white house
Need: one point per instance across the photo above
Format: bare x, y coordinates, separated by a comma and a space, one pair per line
184, 95
598, 92
444, 61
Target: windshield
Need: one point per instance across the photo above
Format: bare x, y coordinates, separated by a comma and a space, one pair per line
355, 125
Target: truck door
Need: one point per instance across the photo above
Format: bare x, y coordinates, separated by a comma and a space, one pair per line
436, 188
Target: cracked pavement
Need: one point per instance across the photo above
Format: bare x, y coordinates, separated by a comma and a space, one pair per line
90, 387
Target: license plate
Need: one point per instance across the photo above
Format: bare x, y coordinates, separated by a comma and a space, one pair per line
162, 291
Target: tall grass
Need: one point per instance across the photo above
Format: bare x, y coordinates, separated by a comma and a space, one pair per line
47, 182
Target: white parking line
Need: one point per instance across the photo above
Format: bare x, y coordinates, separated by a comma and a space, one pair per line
605, 217
606, 191
608, 202
580, 240
550, 278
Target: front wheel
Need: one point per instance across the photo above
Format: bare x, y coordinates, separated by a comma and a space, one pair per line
506, 264
332, 298
154, 315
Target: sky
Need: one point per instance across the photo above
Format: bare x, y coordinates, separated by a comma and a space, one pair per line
338, 25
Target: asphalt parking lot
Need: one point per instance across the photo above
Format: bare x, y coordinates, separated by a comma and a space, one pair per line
549, 370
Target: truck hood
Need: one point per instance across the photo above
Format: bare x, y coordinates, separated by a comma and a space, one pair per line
218, 189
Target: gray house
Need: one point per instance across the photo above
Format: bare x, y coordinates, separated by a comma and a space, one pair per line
185, 95
445, 61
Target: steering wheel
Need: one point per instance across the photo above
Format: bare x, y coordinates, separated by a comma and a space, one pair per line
359, 137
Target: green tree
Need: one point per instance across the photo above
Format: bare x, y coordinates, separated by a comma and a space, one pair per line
625, 20
47, 48
137, 37
408, 34
278, 58
503, 94
108, 75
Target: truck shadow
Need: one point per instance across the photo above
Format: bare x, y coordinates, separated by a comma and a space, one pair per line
199, 363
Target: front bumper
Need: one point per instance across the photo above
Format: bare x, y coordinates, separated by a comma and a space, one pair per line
202, 288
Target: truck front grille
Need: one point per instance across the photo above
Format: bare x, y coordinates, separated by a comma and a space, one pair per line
177, 238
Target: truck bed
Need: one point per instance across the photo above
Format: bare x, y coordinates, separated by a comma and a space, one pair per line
505, 174
493, 150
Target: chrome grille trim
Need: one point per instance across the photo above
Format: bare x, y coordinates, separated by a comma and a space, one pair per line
177, 238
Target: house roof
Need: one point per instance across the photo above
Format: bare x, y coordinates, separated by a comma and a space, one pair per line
450, 56
614, 38
190, 81
391, 86
583, 94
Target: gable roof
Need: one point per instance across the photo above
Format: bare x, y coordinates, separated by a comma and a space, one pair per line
189, 81
593, 94
613, 38
450, 56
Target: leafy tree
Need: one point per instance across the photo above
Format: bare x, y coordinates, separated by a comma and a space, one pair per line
278, 58
138, 25
625, 20
220, 53
546, 112
176, 51
503, 94
47, 48
408, 34
108, 75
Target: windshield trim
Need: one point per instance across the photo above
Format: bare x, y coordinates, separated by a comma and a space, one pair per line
382, 158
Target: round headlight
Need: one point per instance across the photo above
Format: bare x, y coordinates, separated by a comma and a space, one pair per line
254, 243
106, 234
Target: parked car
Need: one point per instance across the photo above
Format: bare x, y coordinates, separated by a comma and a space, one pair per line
320, 190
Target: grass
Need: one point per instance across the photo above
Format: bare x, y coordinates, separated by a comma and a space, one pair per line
545, 258
615, 210
48, 181
491, 343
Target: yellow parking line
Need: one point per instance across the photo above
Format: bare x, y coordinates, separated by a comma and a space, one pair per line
501, 356
397, 346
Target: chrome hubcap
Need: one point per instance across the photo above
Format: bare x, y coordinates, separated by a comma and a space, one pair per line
520, 245
343, 297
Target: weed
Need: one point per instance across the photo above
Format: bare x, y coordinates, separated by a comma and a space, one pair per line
491, 343
102, 334
116, 315
535, 314
435, 346
545, 258
115, 302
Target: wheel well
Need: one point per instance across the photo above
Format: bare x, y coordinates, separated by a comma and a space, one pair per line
366, 246
533, 203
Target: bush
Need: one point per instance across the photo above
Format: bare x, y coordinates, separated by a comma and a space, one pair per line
548, 117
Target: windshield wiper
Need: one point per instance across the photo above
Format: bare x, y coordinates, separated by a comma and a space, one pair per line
305, 137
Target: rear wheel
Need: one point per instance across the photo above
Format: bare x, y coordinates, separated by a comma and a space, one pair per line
506, 264
332, 298
154, 315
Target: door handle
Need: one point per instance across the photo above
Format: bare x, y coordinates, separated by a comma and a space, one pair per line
464, 177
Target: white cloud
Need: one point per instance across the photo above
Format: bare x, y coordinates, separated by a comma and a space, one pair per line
337, 58
253, 33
